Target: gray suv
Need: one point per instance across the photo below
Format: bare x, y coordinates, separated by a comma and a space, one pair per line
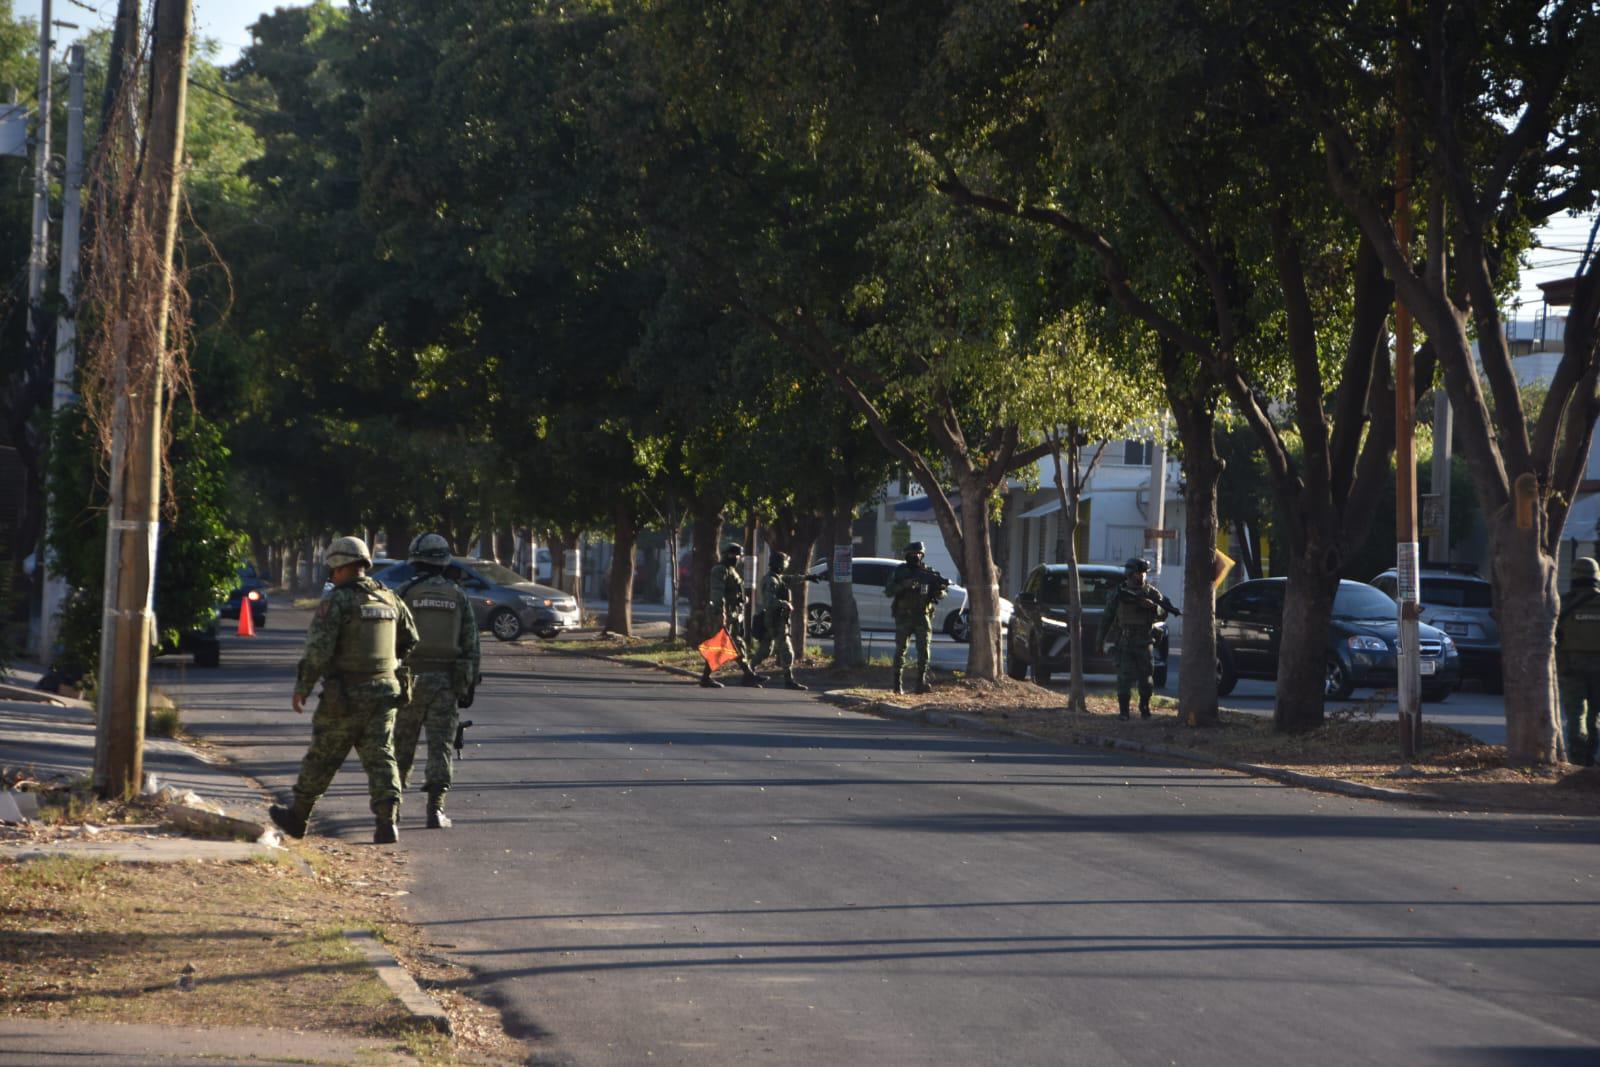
1459, 602
506, 604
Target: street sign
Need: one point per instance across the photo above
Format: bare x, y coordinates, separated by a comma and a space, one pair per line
843, 555
1161, 535
1406, 555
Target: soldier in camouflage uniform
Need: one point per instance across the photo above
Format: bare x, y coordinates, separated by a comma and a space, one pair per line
915, 590
1129, 621
725, 611
444, 669
356, 647
777, 608
1578, 662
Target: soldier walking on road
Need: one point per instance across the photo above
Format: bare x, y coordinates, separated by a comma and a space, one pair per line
725, 611
1129, 622
776, 605
444, 669
915, 590
356, 646
1578, 662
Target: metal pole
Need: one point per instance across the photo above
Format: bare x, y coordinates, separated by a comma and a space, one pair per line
1158, 492
1408, 658
55, 589
39, 255
1443, 432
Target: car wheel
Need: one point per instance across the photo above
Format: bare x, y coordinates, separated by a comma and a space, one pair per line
1337, 684
819, 620
1016, 666
957, 627
1437, 695
505, 625
1227, 678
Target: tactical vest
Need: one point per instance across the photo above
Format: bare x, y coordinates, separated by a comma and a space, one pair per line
435, 604
910, 603
367, 635
1136, 617
776, 593
726, 585
1580, 624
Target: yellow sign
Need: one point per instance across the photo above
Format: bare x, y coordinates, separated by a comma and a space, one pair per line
1221, 564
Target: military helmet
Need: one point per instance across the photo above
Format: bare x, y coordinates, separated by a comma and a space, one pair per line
916, 548
778, 561
430, 548
347, 550
1585, 569
732, 548
1137, 563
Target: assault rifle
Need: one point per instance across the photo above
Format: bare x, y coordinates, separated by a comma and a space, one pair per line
936, 582
1155, 601
461, 735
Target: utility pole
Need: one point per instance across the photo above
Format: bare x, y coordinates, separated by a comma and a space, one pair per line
55, 589
39, 254
136, 473
1443, 432
1158, 495
1408, 660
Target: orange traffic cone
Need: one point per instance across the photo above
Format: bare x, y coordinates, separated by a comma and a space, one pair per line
247, 614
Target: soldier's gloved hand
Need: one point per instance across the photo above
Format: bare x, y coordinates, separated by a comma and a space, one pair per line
816, 578
299, 703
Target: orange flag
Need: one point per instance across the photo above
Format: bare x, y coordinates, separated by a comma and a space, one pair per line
718, 649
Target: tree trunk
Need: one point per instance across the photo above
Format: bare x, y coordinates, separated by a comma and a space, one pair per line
707, 530
398, 532
1202, 470
1526, 604
983, 582
1303, 638
797, 544
624, 535
847, 651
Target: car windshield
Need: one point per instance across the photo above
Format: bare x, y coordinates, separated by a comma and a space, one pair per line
1096, 588
495, 574
1357, 601
1453, 593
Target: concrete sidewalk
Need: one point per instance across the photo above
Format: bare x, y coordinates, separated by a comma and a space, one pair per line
39, 1042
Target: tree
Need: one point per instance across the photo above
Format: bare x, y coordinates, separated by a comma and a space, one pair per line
1496, 105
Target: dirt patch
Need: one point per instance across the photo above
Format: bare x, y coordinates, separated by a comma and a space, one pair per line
213, 944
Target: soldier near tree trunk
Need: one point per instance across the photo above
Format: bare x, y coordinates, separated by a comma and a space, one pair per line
916, 590
1578, 662
1129, 621
356, 646
444, 666
776, 605
725, 611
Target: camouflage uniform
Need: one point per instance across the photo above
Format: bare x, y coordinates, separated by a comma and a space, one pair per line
725, 611
914, 600
777, 609
444, 666
358, 639
1578, 663
1130, 620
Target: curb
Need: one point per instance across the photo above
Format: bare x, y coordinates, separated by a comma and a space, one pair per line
959, 721
421, 1006
956, 720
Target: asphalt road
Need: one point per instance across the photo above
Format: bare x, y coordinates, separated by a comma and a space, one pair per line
645, 872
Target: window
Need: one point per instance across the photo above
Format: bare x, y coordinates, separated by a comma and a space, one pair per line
1455, 593
1095, 587
874, 574
1262, 600
1136, 453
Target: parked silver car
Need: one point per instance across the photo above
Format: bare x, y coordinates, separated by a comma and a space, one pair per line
868, 576
505, 603
1459, 602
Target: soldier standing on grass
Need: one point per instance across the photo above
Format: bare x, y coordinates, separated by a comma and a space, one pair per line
356, 646
725, 611
1578, 662
777, 608
915, 590
444, 666
1129, 621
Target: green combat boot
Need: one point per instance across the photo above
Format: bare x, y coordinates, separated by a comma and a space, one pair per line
291, 819
789, 681
386, 832
899, 687
437, 819
708, 682
922, 684
1122, 707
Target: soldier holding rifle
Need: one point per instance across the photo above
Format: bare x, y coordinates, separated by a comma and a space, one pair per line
915, 590
1129, 624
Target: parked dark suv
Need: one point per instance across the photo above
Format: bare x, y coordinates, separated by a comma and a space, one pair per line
1361, 640
1459, 602
1038, 638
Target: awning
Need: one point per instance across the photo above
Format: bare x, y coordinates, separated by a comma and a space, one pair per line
1050, 507
1583, 519
920, 508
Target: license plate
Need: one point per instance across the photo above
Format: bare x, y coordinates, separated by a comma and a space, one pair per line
1428, 666
1455, 629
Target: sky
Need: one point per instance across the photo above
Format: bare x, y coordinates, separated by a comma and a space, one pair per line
227, 22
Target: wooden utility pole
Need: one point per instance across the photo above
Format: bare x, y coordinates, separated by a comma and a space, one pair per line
1408, 661
136, 473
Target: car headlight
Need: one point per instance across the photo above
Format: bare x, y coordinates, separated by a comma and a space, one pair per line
1449, 645
1363, 643
535, 601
